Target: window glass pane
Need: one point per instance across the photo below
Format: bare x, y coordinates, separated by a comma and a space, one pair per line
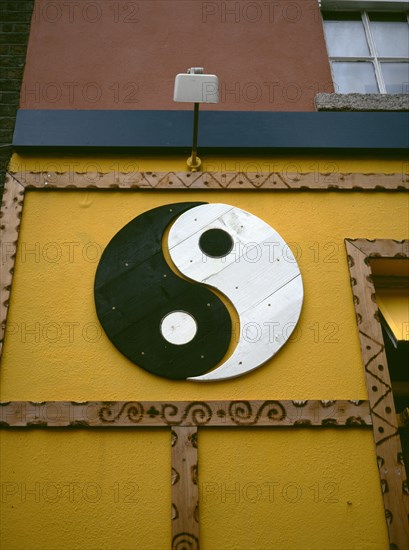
346, 38
396, 77
391, 39
341, 15
354, 77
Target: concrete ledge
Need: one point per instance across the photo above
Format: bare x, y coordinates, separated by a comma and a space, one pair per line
362, 102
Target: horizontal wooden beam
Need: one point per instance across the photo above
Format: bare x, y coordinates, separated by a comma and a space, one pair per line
254, 181
271, 413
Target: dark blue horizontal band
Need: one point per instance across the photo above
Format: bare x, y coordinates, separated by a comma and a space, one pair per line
218, 130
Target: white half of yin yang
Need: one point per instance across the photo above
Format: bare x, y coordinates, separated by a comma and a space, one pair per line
260, 276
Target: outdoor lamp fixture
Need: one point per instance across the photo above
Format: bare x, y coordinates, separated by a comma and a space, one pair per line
196, 87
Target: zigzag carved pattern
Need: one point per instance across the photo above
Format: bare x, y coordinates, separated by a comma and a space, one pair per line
217, 180
390, 464
381, 389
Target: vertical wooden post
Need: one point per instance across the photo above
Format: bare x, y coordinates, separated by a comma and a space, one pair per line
185, 491
10, 214
394, 485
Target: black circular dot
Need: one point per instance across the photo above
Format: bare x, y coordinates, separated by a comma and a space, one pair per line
381, 430
388, 410
380, 367
216, 243
374, 388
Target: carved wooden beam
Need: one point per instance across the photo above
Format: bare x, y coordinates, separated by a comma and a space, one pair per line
185, 489
91, 414
392, 472
217, 180
10, 218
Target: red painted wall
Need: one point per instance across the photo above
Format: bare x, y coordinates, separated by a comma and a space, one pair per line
118, 54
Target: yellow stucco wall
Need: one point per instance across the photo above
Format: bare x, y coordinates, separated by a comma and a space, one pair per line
259, 489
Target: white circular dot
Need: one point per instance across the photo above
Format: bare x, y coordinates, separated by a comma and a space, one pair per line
178, 327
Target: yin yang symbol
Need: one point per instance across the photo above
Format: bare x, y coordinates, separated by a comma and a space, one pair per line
167, 319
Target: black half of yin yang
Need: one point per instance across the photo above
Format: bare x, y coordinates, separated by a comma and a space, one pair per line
135, 290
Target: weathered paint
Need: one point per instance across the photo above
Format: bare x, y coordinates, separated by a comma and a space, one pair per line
296, 489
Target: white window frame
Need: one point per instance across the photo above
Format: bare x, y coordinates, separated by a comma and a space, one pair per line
363, 7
